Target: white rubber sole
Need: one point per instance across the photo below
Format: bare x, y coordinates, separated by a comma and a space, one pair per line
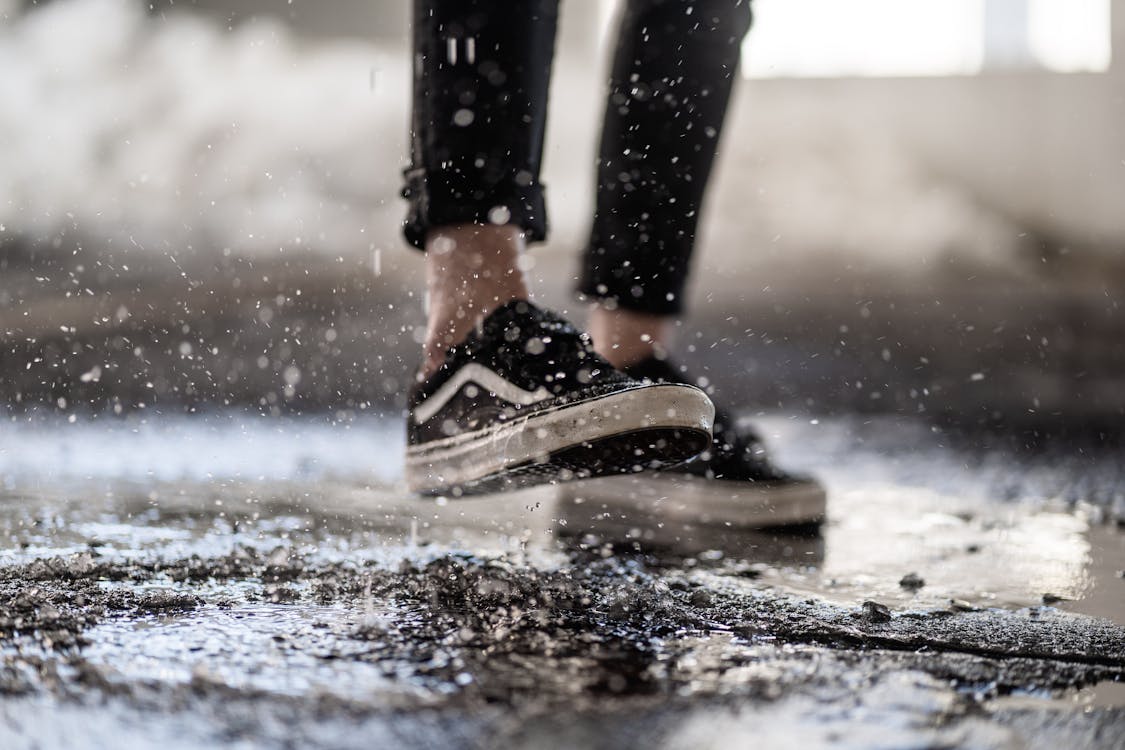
475, 456
663, 497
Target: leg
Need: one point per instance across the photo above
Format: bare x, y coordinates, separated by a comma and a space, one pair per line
669, 88
470, 271
671, 82
509, 394
481, 72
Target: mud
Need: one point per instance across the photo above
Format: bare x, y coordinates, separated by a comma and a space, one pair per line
323, 608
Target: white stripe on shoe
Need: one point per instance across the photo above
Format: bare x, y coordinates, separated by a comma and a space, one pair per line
485, 378
472, 456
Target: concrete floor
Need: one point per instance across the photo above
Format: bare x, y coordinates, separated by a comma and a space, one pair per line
1025, 355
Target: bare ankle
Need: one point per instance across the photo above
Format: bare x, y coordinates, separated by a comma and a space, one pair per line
471, 270
625, 337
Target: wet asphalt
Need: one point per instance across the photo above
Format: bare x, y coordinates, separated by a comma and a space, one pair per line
155, 590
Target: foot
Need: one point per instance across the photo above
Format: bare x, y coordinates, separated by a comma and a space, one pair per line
525, 400
734, 482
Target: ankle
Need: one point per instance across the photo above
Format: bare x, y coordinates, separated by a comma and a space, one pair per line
470, 271
626, 337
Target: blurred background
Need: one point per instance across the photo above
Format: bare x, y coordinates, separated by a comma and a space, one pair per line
918, 209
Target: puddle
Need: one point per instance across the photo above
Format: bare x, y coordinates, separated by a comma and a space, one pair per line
287, 650
333, 598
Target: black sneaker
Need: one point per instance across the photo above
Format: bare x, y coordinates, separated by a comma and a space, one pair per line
525, 400
734, 482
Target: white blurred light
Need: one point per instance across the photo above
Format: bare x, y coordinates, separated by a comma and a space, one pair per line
828, 38
865, 38
1070, 36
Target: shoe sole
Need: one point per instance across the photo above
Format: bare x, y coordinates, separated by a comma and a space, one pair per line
663, 497
645, 427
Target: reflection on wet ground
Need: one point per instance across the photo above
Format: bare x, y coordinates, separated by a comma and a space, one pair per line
269, 581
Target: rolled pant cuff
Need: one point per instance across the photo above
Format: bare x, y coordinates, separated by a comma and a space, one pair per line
439, 202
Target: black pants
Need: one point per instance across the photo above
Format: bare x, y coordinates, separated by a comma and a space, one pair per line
481, 71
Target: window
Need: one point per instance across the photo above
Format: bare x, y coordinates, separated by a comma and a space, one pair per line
829, 38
